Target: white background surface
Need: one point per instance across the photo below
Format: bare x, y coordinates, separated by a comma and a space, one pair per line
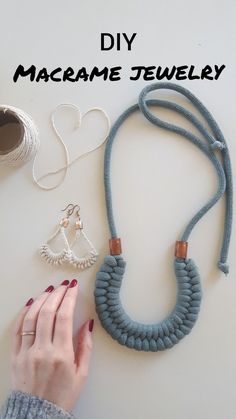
159, 182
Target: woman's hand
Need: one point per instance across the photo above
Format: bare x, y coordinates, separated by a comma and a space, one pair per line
46, 364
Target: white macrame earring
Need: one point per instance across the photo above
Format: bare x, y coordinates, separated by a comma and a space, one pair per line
57, 258
91, 254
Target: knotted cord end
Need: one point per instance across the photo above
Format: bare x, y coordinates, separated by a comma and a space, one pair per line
224, 267
217, 145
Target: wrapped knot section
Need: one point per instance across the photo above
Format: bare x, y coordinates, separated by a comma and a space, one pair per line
140, 336
217, 145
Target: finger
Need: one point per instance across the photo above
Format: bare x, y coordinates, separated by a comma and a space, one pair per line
30, 320
63, 331
17, 338
47, 315
84, 350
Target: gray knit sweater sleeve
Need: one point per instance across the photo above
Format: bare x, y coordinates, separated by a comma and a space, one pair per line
24, 406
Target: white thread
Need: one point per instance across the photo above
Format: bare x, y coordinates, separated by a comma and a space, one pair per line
53, 257
68, 162
66, 255
89, 259
28, 148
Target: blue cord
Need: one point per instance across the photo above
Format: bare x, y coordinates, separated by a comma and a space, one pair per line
216, 141
182, 318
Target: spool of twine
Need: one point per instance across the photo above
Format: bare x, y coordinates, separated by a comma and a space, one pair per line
19, 139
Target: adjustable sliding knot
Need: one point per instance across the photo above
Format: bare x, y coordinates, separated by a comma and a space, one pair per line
217, 145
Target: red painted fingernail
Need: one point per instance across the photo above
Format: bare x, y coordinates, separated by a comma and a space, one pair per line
73, 283
91, 324
29, 302
49, 289
66, 282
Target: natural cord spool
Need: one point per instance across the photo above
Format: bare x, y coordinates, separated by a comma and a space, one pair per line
23, 145
180, 321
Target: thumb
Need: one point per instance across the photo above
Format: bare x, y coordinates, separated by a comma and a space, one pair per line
84, 348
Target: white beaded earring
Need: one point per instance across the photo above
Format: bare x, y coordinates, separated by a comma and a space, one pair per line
65, 254
90, 257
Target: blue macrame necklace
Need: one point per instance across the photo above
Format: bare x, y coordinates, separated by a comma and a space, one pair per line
114, 319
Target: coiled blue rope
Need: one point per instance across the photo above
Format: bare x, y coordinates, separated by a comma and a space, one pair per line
179, 322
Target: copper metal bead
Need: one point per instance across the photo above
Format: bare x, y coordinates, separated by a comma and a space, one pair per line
79, 225
115, 246
181, 248
64, 222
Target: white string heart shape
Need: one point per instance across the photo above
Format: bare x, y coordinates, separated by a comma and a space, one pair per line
68, 163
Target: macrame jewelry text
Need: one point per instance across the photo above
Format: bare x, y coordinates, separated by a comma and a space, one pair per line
84, 74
